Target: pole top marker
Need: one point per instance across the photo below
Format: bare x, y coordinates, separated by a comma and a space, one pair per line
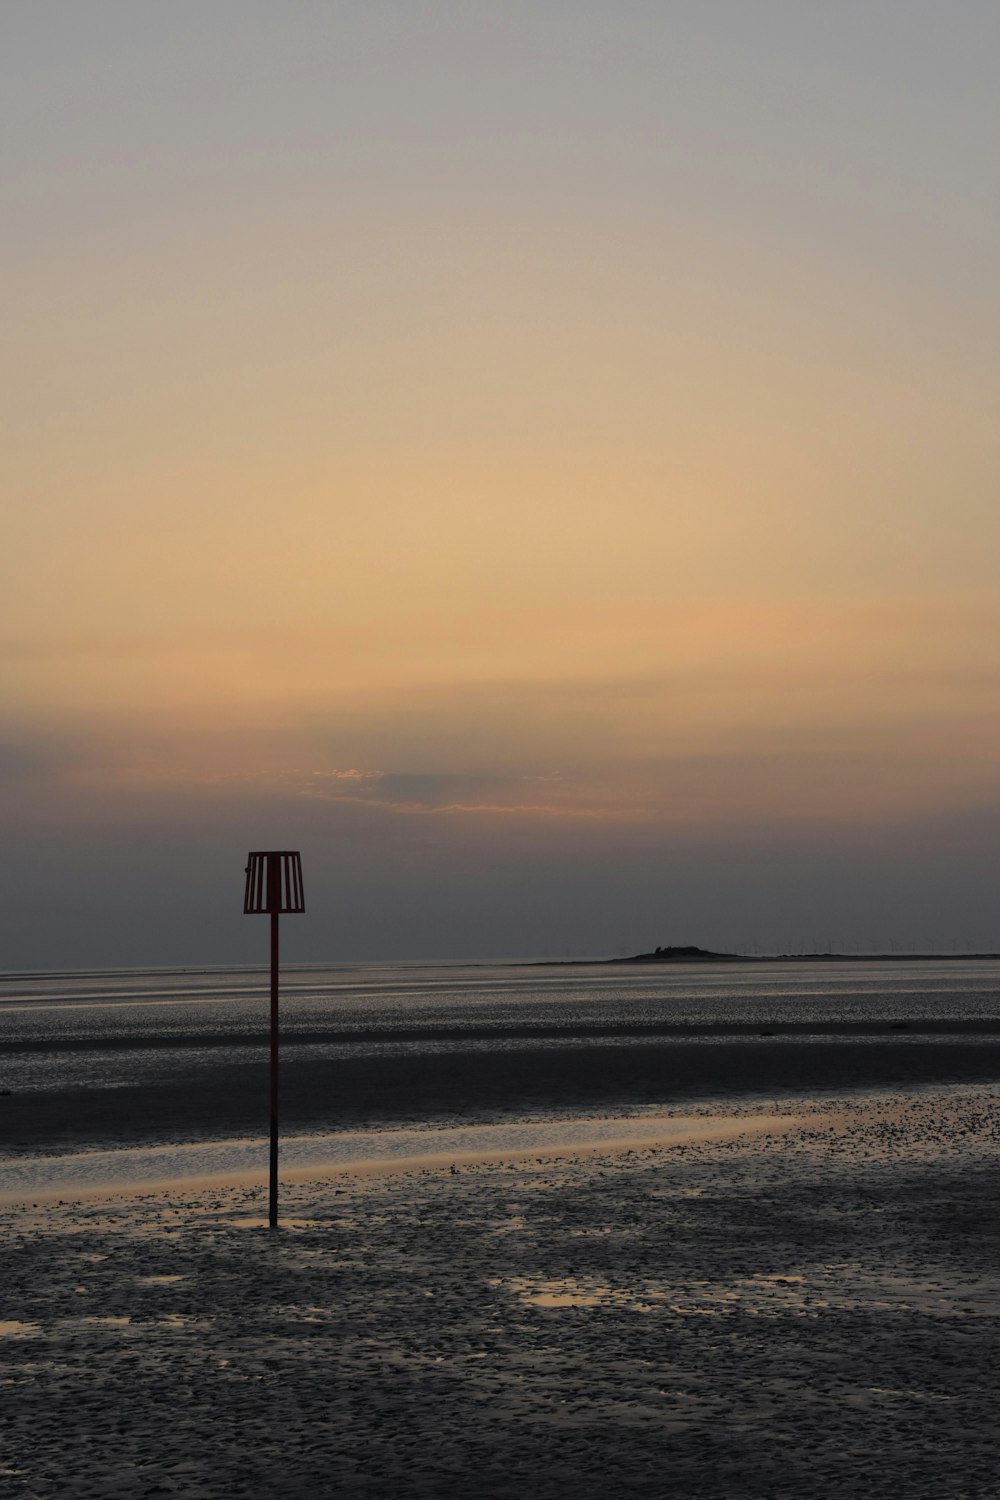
274, 883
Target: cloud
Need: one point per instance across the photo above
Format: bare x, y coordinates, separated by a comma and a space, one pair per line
795, 713
40, 758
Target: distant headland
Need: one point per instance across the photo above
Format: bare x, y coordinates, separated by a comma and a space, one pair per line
689, 955
694, 955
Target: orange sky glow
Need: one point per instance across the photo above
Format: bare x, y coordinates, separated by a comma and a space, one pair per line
550, 456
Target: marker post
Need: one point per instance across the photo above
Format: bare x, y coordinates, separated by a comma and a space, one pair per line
273, 887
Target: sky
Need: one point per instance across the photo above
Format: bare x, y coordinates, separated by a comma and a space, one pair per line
538, 459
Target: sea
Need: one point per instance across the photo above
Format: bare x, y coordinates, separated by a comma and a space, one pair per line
85, 1034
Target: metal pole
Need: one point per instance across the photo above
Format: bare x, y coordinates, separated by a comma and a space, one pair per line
273, 1209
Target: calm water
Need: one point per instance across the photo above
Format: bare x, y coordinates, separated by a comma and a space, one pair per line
118, 1030
94, 1027
240, 1159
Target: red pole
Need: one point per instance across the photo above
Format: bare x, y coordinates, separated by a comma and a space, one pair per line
273, 1209
273, 885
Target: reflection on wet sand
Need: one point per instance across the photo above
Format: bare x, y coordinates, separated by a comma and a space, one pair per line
305, 1157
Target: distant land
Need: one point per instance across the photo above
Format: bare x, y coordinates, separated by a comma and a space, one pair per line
694, 955
688, 955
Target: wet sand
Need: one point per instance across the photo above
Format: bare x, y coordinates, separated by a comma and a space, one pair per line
199, 1098
806, 1309
305, 1158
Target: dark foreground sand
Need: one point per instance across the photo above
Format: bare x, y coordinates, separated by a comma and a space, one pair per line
807, 1311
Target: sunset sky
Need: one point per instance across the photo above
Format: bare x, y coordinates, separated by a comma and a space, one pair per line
539, 459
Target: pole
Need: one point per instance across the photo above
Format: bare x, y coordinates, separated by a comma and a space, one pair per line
273, 1207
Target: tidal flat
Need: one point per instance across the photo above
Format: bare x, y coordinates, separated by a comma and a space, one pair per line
803, 1303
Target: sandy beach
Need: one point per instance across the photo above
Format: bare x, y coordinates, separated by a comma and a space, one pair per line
794, 1298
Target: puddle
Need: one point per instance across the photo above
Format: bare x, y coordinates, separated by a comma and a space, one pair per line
568, 1292
567, 1299
775, 1295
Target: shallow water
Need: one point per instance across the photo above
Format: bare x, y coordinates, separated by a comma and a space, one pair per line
107, 1042
421, 1003
241, 1160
